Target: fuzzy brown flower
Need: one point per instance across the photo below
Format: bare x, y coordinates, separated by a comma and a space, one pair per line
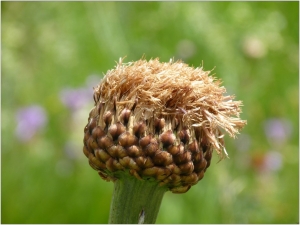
159, 121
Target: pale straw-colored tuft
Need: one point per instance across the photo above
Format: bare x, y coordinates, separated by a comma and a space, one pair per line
173, 89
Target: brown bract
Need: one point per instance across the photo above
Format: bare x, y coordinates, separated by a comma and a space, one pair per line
160, 121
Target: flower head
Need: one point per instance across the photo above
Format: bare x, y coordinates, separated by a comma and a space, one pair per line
159, 120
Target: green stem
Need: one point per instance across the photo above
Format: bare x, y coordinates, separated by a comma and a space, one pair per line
135, 201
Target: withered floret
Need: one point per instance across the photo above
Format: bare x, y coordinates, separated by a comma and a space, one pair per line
159, 121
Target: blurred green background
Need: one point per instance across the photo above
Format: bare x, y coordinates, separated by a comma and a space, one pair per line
53, 53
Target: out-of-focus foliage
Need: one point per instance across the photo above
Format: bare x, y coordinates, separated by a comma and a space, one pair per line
53, 53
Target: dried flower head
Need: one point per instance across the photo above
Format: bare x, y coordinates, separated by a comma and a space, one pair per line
159, 121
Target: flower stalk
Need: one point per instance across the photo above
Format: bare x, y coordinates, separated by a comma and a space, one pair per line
135, 201
153, 129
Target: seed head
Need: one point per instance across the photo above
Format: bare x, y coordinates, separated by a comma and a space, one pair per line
159, 121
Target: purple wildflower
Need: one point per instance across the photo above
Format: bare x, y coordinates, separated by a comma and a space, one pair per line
29, 121
277, 130
76, 98
272, 161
